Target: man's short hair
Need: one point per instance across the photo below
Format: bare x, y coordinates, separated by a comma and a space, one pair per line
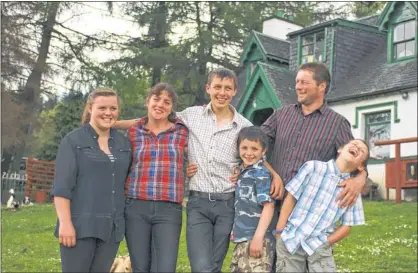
320, 73
223, 73
253, 133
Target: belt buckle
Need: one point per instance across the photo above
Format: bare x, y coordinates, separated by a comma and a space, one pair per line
210, 199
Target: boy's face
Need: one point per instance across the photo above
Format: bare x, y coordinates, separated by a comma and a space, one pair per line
250, 151
221, 92
354, 153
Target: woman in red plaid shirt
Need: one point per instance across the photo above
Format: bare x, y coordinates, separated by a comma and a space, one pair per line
154, 187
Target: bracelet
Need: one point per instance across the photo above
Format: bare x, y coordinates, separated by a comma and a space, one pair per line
277, 231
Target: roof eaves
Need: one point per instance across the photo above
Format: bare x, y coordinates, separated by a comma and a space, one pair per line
269, 36
378, 92
313, 28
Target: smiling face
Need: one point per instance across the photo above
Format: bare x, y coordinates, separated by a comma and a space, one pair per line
354, 153
307, 89
159, 106
104, 112
221, 91
250, 151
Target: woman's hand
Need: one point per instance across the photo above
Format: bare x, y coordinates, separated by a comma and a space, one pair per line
67, 234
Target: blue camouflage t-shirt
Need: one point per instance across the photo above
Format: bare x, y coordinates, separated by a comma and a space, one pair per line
253, 189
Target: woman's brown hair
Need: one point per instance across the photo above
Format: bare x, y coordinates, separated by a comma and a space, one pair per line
98, 92
158, 89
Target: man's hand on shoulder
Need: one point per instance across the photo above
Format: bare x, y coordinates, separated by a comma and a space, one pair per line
353, 186
277, 187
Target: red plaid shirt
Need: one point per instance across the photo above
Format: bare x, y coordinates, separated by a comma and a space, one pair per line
158, 166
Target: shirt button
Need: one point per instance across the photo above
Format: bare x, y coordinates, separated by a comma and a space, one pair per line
113, 191
113, 174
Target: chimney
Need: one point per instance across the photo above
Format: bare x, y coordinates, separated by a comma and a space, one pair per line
280, 25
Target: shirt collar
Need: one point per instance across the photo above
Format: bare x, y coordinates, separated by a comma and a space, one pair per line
208, 111
257, 165
332, 166
94, 134
321, 109
142, 121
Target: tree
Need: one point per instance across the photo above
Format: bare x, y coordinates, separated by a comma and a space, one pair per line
362, 8
54, 124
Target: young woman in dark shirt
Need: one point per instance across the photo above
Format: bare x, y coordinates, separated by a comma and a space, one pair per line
91, 168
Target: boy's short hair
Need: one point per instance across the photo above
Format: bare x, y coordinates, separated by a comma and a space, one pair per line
253, 133
223, 73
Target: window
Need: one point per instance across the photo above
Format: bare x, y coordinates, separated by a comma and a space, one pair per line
378, 128
313, 48
404, 42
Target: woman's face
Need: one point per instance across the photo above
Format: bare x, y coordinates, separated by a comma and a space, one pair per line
104, 112
159, 106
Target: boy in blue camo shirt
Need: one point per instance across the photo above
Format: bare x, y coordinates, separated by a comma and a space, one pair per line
254, 206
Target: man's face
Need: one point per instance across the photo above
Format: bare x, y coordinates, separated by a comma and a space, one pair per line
354, 154
221, 92
307, 89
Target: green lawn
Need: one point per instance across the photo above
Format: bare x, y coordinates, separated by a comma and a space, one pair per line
388, 243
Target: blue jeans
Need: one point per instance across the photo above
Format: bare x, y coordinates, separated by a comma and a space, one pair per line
89, 255
152, 234
209, 225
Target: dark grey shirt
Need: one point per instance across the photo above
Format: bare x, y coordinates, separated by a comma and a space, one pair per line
95, 185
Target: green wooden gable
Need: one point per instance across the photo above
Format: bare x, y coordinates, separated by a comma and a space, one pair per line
253, 51
259, 95
395, 12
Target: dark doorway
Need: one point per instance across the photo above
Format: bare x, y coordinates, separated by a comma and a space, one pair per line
261, 115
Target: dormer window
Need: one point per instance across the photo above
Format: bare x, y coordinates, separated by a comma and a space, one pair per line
312, 48
404, 40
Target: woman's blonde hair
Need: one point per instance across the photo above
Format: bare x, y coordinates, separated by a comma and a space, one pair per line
98, 92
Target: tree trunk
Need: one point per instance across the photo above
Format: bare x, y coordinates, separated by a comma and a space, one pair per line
32, 89
201, 63
158, 30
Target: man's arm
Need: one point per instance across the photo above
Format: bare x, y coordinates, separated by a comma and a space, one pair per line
341, 232
277, 187
353, 186
124, 124
287, 208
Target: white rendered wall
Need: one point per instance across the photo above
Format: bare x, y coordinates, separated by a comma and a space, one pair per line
407, 127
278, 28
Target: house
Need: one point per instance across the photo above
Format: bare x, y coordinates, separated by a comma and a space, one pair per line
373, 64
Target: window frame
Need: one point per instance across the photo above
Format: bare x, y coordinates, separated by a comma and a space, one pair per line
392, 43
324, 46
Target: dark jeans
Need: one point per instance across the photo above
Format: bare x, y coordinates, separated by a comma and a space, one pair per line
152, 234
89, 255
209, 224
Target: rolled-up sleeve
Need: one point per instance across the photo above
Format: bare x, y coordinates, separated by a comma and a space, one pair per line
65, 173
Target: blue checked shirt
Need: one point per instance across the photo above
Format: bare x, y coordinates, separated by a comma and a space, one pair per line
314, 218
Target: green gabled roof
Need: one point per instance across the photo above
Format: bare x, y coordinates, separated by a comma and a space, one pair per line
388, 10
279, 83
252, 41
269, 48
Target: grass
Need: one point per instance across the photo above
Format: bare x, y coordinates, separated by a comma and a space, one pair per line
388, 243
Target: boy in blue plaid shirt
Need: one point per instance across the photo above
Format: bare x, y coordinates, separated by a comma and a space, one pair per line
307, 229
